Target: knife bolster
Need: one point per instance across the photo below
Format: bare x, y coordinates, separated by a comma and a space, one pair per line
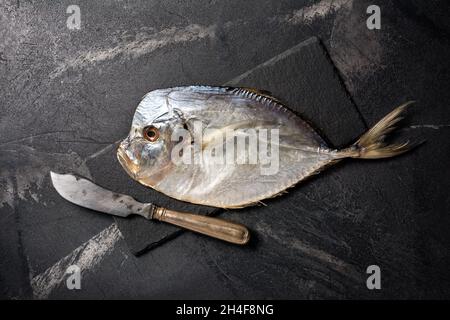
158, 213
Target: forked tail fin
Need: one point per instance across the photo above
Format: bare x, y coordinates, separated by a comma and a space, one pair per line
371, 144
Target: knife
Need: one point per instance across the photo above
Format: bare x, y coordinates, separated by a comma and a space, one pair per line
87, 194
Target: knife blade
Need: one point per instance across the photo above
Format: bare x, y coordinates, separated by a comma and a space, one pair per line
86, 193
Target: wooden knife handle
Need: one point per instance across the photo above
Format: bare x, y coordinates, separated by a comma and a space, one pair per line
213, 227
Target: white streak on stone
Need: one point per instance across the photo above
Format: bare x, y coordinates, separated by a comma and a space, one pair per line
329, 260
143, 43
316, 11
6, 191
271, 61
430, 126
24, 180
86, 257
102, 150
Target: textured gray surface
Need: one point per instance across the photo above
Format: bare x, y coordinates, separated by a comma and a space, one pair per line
66, 95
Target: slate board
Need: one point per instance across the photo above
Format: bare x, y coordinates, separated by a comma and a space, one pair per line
306, 80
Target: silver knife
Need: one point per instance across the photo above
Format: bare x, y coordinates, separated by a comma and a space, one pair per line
87, 194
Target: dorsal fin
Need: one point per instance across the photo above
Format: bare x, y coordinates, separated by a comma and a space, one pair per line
258, 91
255, 93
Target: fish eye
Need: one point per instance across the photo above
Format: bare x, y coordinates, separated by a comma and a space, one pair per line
151, 133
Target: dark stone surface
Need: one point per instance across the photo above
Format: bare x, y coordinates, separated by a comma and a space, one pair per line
67, 94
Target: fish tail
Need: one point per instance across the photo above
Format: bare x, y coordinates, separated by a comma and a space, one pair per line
371, 145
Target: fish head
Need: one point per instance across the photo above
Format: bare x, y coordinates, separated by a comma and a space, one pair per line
145, 153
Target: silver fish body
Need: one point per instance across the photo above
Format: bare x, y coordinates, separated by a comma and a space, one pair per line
231, 147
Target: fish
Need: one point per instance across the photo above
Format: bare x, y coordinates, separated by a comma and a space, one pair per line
232, 147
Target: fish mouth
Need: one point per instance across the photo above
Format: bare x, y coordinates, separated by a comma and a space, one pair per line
130, 167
